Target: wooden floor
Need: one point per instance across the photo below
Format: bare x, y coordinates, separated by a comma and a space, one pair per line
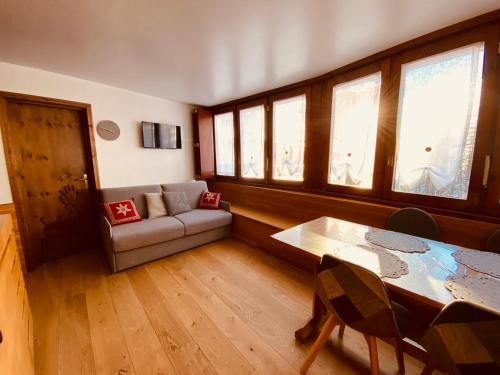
223, 308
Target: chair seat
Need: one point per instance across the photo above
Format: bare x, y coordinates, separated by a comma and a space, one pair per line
403, 318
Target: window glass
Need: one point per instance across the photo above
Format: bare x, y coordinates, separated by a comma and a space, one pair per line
437, 120
353, 136
289, 125
252, 142
224, 144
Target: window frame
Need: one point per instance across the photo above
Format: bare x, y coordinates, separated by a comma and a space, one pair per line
249, 104
484, 123
382, 66
305, 90
236, 151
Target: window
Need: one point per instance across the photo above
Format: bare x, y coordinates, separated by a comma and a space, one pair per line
353, 135
224, 144
289, 125
252, 134
437, 121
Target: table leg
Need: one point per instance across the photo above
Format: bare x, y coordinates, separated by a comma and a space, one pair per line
311, 329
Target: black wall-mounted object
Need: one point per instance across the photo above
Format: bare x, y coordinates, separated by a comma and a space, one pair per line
155, 135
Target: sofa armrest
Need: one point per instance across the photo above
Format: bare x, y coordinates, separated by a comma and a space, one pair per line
225, 205
106, 230
107, 236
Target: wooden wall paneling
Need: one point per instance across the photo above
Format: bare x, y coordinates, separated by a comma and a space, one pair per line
303, 207
10, 209
312, 174
16, 322
204, 148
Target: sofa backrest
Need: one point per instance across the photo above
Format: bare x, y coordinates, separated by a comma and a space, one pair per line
193, 190
136, 192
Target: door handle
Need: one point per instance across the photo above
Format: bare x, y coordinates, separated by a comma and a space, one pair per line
84, 178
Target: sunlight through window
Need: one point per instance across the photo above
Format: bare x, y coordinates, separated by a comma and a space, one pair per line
289, 125
437, 121
355, 108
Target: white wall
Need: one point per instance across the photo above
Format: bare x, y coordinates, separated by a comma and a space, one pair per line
121, 162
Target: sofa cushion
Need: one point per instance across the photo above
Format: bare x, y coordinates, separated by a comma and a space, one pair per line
156, 205
147, 232
209, 200
193, 190
176, 202
200, 220
136, 192
121, 212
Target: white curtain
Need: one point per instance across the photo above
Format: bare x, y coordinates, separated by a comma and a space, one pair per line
289, 126
252, 141
437, 120
355, 108
224, 144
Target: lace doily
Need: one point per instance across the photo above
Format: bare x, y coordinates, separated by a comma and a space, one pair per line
376, 259
480, 261
482, 290
396, 241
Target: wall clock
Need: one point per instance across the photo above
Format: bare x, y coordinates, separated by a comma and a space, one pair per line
108, 130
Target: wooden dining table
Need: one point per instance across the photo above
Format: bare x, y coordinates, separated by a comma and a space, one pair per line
424, 283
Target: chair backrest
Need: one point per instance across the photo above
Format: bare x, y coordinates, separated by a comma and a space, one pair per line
493, 243
465, 339
415, 222
357, 297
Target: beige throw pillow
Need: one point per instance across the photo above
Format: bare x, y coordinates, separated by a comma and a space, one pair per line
156, 205
177, 203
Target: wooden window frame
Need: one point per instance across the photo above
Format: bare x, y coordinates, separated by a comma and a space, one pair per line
236, 145
305, 90
254, 103
382, 66
484, 125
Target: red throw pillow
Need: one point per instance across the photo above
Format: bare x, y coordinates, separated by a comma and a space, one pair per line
210, 200
121, 212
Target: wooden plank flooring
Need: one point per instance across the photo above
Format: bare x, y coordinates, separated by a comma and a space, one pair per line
223, 308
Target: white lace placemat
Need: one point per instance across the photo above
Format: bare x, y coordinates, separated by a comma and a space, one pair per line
482, 290
396, 241
480, 261
375, 258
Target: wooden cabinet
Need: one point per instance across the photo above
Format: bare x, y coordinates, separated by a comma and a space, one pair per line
16, 321
203, 137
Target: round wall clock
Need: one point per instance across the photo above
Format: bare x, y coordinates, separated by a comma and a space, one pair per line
108, 130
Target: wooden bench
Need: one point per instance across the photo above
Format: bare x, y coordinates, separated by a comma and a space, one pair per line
255, 227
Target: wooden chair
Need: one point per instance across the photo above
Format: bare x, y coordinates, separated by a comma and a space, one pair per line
357, 297
464, 339
415, 222
493, 243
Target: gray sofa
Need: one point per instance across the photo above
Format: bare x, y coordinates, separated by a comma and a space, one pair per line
130, 244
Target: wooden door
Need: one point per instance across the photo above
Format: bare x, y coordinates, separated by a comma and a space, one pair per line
51, 175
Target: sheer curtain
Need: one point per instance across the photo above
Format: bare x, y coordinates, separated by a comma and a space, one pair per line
252, 142
224, 144
289, 126
355, 108
437, 120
